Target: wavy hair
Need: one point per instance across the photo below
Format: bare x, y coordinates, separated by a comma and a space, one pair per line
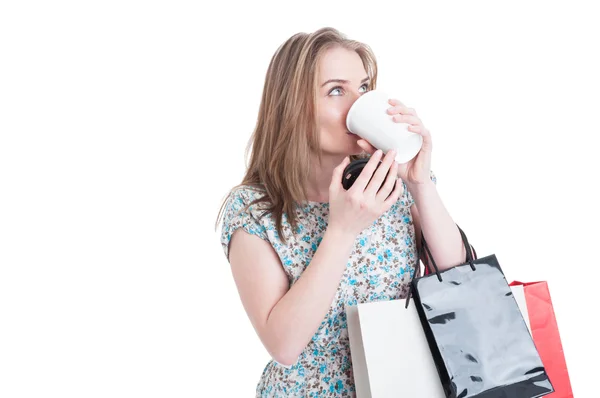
285, 134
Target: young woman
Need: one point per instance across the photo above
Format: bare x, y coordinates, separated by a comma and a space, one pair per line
301, 247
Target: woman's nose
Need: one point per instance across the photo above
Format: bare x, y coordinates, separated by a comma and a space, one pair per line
351, 100
354, 96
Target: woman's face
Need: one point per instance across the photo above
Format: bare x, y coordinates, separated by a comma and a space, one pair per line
342, 78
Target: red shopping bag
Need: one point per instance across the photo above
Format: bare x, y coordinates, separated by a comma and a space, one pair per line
544, 330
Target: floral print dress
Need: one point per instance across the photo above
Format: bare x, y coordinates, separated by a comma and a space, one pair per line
380, 267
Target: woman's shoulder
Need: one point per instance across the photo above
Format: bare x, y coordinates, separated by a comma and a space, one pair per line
242, 197
240, 211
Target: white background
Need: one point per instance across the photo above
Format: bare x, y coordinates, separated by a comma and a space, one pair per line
123, 124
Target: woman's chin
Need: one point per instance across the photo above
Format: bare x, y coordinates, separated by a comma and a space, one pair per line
356, 149
349, 148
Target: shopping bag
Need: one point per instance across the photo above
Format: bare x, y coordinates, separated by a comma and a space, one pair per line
476, 333
546, 336
389, 337
390, 354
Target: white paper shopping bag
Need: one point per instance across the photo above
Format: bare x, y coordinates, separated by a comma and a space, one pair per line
390, 354
519, 295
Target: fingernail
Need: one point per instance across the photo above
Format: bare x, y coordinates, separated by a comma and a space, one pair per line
378, 152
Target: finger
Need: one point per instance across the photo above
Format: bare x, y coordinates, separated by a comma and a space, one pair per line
336, 177
400, 109
367, 172
388, 185
395, 102
379, 175
366, 146
410, 119
419, 130
394, 196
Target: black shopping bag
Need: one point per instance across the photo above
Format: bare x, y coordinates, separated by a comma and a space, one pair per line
478, 338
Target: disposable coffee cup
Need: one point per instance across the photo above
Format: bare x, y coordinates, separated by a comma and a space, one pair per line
368, 118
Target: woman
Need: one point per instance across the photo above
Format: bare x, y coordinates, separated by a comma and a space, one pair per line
301, 247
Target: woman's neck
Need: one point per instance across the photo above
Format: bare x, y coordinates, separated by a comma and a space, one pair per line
319, 179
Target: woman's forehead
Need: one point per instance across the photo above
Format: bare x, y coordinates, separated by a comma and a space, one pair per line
343, 64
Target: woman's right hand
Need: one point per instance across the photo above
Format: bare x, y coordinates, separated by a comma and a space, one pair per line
357, 208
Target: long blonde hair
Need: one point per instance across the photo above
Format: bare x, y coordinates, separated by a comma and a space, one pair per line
285, 134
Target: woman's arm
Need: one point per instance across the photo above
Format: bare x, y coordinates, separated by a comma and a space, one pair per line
286, 318
440, 230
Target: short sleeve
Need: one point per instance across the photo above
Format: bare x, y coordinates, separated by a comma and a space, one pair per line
408, 199
236, 215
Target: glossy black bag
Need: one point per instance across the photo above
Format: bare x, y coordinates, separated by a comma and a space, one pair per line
478, 338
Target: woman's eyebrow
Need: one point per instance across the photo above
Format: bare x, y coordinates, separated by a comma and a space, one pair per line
342, 81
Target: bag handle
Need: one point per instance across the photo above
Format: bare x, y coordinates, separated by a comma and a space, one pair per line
467, 249
425, 247
425, 262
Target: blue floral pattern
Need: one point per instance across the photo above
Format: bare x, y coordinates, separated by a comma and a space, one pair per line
380, 267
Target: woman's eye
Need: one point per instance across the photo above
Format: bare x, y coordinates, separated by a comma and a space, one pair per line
337, 91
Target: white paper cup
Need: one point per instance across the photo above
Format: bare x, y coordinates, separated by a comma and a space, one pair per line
368, 118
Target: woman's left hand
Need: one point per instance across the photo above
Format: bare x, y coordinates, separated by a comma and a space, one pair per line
416, 170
